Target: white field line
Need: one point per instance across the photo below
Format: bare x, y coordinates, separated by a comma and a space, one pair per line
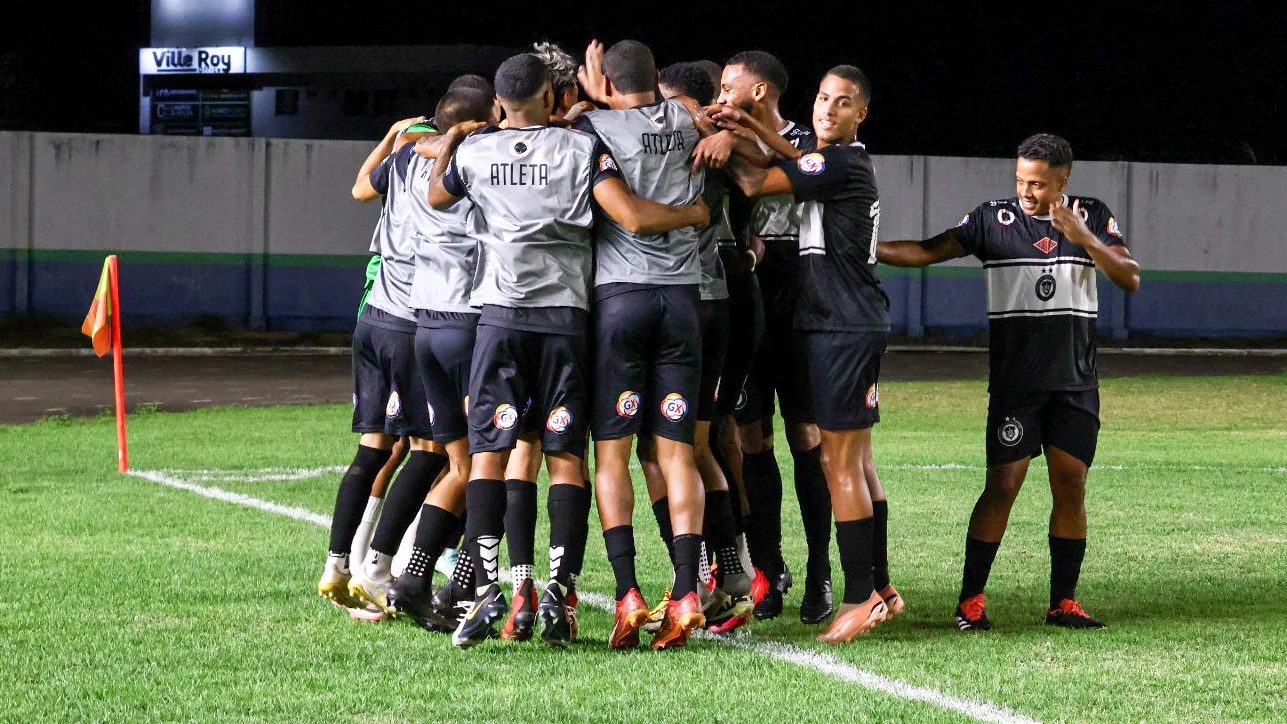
819, 662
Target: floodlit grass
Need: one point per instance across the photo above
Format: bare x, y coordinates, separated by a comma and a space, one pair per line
127, 600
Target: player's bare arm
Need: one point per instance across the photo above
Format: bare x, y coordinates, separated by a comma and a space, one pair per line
590, 75
362, 188
756, 181
641, 216
733, 118
934, 250
439, 197
1114, 261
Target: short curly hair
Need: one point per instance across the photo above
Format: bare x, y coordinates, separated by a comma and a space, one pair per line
559, 64
690, 80
1047, 147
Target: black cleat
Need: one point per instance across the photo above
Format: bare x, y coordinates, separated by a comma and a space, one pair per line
817, 604
770, 606
477, 626
556, 624
412, 596
1071, 615
447, 607
970, 614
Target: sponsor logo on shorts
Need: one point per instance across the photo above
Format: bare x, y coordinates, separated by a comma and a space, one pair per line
1005, 216
1045, 287
506, 417
560, 420
628, 403
812, 163
674, 407
1010, 433
394, 408
432, 417
873, 397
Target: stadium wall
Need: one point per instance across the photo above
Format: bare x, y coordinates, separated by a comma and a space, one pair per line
263, 233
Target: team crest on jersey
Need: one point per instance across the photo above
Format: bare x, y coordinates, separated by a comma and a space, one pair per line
520, 148
1045, 287
1085, 215
812, 163
628, 403
674, 407
506, 417
1004, 216
432, 417
606, 163
873, 397
1046, 245
1113, 228
394, 406
1010, 433
560, 420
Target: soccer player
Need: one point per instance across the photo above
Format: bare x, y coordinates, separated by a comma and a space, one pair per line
532, 187
841, 315
1040, 250
388, 399
754, 82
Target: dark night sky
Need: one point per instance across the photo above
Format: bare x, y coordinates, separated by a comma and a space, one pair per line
1149, 83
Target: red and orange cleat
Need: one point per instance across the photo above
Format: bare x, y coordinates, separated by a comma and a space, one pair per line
1070, 614
856, 621
632, 613
893, 599
682, 616
522, 613
971, 616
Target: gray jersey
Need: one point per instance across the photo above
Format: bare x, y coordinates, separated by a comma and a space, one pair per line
446, 255
531, 189
775, 218
393, 240
713, 285
652, 146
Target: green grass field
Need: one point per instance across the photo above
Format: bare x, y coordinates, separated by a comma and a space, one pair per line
128, 600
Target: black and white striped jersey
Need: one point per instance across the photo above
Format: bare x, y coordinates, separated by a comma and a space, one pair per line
1042, 294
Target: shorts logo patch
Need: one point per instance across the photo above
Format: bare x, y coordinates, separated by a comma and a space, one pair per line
1113, 228
394, 408
674, 407
873, 397
506, 417
628, 403
1010, 433
1005, 216
1045, 287
432, 417
812, 163
560, 420
606, 163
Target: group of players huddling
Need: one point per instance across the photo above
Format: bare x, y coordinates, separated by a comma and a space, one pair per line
652, 266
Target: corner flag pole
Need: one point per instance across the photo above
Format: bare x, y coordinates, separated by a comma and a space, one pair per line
118, 370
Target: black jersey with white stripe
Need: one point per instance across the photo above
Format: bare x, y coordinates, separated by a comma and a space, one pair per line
1042, 296
835, 187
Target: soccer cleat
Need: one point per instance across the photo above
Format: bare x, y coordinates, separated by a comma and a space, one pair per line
893, 599
970, 614
522, 613
682, 616
411, 596
632, 614
728, 612
477, 625
449, 606
556, 625
369, 590
856, 621
572, 601
369, 612
657, 613
759, 587
817, 604
446, 562
1071, 615
334, 583
770, 605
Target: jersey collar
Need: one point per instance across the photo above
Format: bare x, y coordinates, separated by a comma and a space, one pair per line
1046, 217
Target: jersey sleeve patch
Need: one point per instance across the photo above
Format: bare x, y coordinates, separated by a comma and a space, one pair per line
1113, 228
812, 164
606, 163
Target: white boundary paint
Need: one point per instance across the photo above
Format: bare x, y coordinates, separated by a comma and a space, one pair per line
818, 662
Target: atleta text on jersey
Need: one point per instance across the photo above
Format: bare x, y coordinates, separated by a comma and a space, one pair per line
1043, 299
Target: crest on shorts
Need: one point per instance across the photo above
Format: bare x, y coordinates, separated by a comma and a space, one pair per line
873, 397
394, 406
429, 407
812, 163
1010, 432
628, 403
506, 417
1045, 287
560, 420
674, 407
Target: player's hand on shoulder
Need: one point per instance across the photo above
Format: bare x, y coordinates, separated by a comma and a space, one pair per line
713, 151
404, 124
458, 132
428, 146
575, 111
1068, 221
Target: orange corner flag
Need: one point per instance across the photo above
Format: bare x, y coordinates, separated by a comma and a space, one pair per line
96, 325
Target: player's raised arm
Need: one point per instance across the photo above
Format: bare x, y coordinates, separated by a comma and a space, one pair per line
943, 247
445, 187
363, 190
1115, 261
641, 216
756, 181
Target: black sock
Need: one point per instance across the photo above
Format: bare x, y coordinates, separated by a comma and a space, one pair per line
1066, 555
520, 522
405, 498
350, 501
457, 535
661, 511
463, 574
764, 525
581, 529
854, 539
880, 544
565, 504
978, 564
620, 542
717, 527
815, 510
688, 550
436, 526
484, 526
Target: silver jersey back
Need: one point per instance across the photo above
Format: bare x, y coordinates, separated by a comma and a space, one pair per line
532, 214
446, 255
651, 146
395, 243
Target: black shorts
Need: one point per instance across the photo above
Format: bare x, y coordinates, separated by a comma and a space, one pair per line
844, 368
544, 372
647, 363
776, 369
444, 353
715, 333
1021, 424
388, 396
746, 329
